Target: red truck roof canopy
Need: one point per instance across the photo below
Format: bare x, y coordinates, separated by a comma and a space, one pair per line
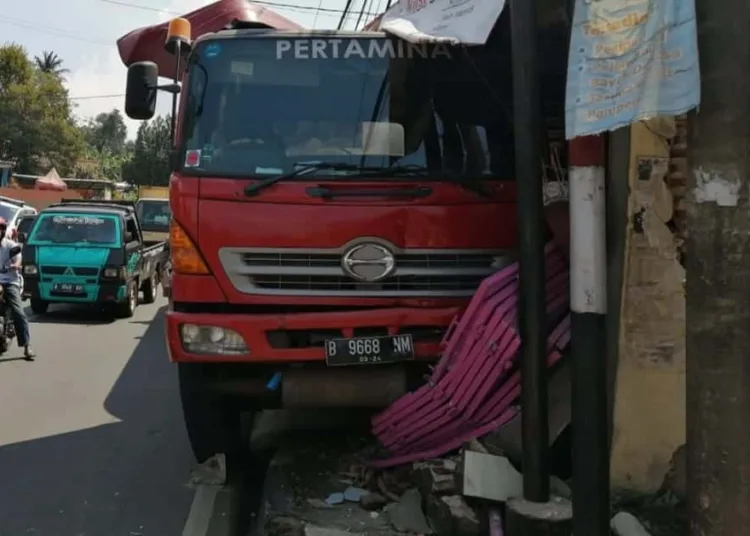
147, 44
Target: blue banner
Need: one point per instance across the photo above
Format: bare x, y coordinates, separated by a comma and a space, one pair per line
630, 60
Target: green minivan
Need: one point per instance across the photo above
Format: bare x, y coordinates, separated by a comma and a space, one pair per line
76, 253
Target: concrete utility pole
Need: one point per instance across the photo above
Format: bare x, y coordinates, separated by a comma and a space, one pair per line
718, 278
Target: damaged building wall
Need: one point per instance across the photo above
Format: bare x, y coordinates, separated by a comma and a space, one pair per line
649, 398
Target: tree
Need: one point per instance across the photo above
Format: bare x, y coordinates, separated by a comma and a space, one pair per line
149, 165
107, 132
50, 63
36, 122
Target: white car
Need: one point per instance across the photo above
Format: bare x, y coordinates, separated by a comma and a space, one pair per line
12, 210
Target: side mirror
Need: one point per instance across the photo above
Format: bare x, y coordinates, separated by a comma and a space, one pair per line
15, 250
128, 237
141, 89
22, 238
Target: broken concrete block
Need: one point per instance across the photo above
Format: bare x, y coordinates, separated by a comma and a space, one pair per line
452, 516
406, 515
212, 472
625, 524
553, 518
434, 478
372, 501
489, 477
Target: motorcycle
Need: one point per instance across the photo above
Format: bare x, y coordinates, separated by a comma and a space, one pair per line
7, 326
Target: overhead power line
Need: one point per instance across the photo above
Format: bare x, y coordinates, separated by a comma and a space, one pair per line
42, 28
90, 97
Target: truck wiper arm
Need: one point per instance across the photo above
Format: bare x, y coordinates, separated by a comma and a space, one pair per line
423, 171
303, 169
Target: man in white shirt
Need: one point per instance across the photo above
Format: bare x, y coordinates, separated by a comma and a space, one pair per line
10, 279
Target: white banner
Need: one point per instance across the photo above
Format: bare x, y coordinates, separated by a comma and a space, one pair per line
467, 22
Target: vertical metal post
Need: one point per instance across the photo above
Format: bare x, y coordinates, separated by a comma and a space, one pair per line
532, 309
588, 300
178, 67
718, 278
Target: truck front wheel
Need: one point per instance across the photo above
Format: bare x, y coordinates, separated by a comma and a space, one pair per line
212, 420
150, 286
126, 309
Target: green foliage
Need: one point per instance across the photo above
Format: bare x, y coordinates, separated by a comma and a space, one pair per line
50, 63
37, 126
107, 132
149, 165
38, 131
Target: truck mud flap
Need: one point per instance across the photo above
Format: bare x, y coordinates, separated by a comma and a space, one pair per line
474, 387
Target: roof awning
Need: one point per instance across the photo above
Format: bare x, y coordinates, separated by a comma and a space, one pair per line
467, 22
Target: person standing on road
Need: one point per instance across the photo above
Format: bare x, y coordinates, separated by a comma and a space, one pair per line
10, 279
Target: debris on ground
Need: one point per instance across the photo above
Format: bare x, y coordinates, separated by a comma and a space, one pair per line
327, 488
489, 477
662, 514
626, 524
451, 515
406, 515
212, 472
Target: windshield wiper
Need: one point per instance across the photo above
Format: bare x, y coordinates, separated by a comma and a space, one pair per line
422, 171
303, 169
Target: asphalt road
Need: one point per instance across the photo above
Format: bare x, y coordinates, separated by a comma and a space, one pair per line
91, 436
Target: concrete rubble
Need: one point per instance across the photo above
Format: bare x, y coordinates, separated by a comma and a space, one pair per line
212, 472
625, 524
329, 489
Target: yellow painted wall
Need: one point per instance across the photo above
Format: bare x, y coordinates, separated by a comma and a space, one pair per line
649, 412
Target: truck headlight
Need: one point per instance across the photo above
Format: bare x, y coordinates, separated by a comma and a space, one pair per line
30, 269
114, 272
212, 340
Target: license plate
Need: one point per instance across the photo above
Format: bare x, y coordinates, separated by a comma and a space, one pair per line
68, 288
369, 350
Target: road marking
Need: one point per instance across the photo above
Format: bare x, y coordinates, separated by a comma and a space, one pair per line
201, 511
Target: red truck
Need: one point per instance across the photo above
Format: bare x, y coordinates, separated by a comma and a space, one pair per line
337, 197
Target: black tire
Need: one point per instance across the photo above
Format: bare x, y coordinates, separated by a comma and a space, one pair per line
150, 287
212, 420
39, 307
127, 308
4, 345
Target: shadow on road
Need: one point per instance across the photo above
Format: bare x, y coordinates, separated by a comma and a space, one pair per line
119, 479
85, 315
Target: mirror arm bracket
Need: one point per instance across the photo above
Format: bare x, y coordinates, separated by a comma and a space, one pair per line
173, 88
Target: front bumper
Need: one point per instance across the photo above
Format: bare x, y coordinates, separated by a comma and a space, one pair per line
114, 292
289, 338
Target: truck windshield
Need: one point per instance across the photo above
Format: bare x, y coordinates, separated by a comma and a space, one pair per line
75, 229
262, 106
154, 214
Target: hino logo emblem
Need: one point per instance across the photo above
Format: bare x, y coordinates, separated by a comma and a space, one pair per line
368, 262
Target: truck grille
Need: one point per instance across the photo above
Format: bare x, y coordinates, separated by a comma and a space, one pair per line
304, 272
60, 270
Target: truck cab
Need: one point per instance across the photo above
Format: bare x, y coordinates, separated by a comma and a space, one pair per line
337, 198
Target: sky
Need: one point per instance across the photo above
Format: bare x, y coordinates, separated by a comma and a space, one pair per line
84, 32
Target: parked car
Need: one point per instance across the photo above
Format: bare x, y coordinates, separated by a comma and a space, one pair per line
13, 210
24, 225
